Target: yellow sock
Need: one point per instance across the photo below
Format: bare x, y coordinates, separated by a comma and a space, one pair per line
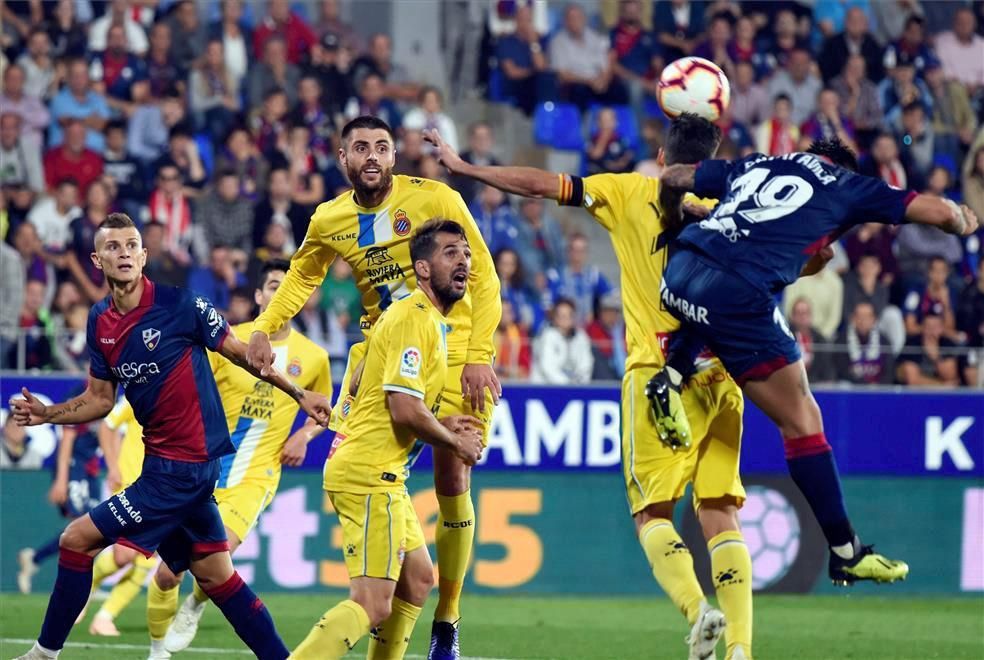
673, 566
161, 608
200, 596
128, 587
731, 567
455, 536
337, 633
391, 637
104, 566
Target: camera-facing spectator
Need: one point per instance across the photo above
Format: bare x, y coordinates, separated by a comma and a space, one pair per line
21, 174
77, 100
311, 112
41, 77
308, 184
161, 265
778, 134
224, 216
52, 215
188, 34
17, 452
859, 98
824, 292
865, 284
379, 60
33, 113
429, 115
243, 156
884, 162
66, 32
962, 51
973, 178
954, 122
928, 358
34, 263
524, 299
371, 100
84, 273
784, 40
677, 25
750, 103
171, 208
214, 96
912, 46
522, 60
276, 243
330, 63
119, 13
274, 71
798, 82
115, 70
607, 334
126, 173
970, 320
280, 22
36, 329
562, 351
163, 72
915, 134
854, 39
217, 280
330, 22
71, 352
637, 55
236, 38
578, 280
241, 306
817, 358
340, 295
609, 150
864, 357
182, 152
827, 123
480, 152
495, 218
891, 19
734, 135
715, 46
280, 207
73, 159
580, 57
540, 243
934, 299
900, 89
151, 123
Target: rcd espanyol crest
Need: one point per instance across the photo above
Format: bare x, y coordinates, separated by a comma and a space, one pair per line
151, 338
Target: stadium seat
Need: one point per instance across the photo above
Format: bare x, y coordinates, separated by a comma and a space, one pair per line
497, 87
206, 152
558, 125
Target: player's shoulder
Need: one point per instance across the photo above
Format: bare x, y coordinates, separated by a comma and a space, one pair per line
99, 309
417, 185
342, 204
173, 296
413, 309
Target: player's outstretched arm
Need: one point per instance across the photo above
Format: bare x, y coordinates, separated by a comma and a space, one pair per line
525, 181
461, 434
942, 213
94, 403
314, 404
110, 441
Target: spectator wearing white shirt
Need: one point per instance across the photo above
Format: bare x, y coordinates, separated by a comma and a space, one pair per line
429, 114
118, 13
33, 113
582, 59
962, 51
52, 216
562, 353
21, 176
40, 79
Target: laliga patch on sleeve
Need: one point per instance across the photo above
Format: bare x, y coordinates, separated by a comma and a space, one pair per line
410, 363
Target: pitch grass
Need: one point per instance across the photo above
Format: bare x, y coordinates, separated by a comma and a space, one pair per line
800, 627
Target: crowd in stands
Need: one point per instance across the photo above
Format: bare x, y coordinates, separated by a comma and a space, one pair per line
215, 126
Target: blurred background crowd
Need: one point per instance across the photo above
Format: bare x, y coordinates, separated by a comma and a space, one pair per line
215, 126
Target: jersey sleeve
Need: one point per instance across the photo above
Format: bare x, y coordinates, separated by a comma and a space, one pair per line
711, 177
308, 268
873, 200
601, 195
483, 282
120, 415
98, 367
405, 363
209, 328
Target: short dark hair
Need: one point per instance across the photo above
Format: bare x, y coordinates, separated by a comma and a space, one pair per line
690, 139
181, 129
242, 292
271, 266
912, 106
67, 181
838, 153
424, 240
224, 172
116, 125
117, 221
367, 121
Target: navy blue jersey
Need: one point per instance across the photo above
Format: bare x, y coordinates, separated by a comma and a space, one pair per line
157, 352
85, 459
777, 212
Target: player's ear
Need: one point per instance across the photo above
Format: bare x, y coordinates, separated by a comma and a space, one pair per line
95, 260
257, 297
422, 269
661, 158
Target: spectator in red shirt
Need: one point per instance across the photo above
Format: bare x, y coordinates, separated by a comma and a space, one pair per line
72, 159
280, 20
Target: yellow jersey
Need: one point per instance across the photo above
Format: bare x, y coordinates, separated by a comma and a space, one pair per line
121, 420
407, 352
259, 415
376, 244
626, 205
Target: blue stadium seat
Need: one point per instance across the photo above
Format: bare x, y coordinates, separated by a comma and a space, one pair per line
628, 125
558, 125
206, 151
497, 87
946, 161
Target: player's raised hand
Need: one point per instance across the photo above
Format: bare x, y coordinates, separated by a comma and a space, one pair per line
446, 155
317, 406
697, 210
468, 431
295, 449
259, 353
475, 379
58, 493
971, 221
28, 410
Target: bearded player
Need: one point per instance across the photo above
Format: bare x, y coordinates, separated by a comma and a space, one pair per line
655, 475
152, 339
370, 228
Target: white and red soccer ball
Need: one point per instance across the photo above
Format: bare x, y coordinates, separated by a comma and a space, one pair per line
694, 85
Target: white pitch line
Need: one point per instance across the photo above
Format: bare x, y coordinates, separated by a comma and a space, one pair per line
190, 649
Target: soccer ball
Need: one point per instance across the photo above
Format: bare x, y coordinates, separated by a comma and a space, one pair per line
772, 533
695, 85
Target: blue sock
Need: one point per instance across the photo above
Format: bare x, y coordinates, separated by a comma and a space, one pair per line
249, 617
68, 597
49, 549
812, 467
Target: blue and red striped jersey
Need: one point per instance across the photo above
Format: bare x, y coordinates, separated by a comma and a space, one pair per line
156, 351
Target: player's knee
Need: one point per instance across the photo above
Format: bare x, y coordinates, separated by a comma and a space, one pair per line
74, 538
657, 511
419, 585
377, 609
451, 476
165, 579
718, 516
803, 420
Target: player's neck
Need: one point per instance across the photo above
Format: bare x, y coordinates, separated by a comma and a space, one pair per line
370, 199
281, 334
126, 295
442, 307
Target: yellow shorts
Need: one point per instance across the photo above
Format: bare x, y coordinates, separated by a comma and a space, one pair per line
240, 506
378, 529
655, 473
452, 400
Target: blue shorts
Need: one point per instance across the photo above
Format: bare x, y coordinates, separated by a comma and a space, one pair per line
168, 509
83, 496
742, 325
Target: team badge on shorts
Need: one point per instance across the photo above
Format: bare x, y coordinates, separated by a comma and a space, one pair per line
294, 368
401, 223
151, 338
410, 362
402, 554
